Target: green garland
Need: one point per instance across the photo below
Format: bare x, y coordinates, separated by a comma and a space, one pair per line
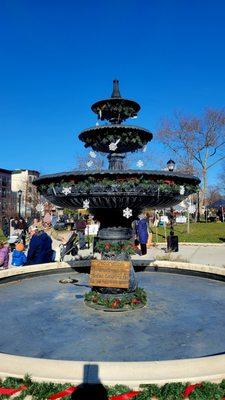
94, 184
169, 391
127, 300
127, 138
119, 247
115, 108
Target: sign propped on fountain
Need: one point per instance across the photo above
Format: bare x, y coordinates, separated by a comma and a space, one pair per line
114, 274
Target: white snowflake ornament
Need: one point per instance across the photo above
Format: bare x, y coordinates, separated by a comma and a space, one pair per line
89, 163
140, 163
113, 146
182, 190
127, 212
86, 204
66, 190
92, 154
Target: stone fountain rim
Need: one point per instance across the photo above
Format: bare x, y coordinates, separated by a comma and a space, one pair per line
133, 374
117, 127
108, 173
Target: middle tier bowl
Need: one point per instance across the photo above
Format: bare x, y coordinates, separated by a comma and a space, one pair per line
129, 138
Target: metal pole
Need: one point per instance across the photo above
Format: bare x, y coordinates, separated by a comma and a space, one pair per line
164, 224
171, 221
198, 205
19, 205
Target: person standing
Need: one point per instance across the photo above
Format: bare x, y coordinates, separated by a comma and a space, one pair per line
142, 232
80, 228
22, 226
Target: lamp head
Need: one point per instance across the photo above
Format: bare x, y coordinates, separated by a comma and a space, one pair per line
171, 165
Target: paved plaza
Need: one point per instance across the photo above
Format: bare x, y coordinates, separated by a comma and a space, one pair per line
209, 254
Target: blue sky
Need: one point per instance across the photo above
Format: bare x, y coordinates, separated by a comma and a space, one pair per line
58, 57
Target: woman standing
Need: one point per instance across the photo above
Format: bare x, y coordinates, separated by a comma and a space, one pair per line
142, 232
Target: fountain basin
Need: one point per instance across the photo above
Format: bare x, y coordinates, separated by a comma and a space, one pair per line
116, 189
131, 373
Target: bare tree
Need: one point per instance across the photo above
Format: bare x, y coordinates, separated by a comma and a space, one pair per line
196, 141
213, 194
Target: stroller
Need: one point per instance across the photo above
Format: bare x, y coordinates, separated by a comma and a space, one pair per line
14, 239
71, 247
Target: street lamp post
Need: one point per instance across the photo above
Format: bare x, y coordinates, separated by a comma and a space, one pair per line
19, 195
172, 241
171, 166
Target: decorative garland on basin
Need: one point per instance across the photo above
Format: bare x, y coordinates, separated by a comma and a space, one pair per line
98, 137
126, 301
170, 391
121, 184
112, 248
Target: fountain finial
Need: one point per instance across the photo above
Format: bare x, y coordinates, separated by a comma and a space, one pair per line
116, 90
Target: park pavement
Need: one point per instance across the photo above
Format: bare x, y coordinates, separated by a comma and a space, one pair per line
204, 253
209, 254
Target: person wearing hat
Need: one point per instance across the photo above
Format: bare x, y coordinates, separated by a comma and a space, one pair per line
18, 256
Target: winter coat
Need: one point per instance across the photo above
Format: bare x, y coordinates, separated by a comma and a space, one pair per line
40, 249
142, 230
81, 225
4, 257
18, 258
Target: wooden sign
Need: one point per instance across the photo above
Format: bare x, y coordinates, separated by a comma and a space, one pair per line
115, 274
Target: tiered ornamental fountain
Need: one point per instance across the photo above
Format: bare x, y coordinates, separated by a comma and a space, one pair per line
116, 196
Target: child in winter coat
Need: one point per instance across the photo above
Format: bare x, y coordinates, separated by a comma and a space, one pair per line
18, 256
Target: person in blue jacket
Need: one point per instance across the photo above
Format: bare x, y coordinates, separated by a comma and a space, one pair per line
142, 232
18, 256
40, 247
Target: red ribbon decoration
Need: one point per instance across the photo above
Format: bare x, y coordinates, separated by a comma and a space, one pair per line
10, 391
63, 393
189, 389
124, 396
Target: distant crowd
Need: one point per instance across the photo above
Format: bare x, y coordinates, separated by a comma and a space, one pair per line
38, 241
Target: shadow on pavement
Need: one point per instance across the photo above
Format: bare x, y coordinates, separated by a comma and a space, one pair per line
92, 391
